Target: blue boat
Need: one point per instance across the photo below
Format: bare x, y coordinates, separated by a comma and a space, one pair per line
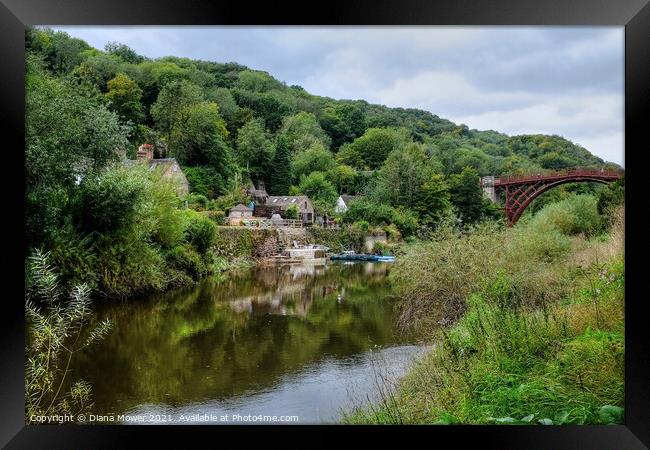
349, 256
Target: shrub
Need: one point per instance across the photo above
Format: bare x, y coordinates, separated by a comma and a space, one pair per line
392, 233
76, 257
200, 231
188, 260
361, 225
292, 212
112, 200
217, 216
406, 221
196, 201
573, 215
57, 328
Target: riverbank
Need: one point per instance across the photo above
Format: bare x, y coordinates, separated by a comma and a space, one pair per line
528, 324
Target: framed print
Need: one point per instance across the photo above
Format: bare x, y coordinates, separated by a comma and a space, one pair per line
363, 218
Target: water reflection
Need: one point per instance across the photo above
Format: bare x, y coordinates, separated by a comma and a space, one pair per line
265, 334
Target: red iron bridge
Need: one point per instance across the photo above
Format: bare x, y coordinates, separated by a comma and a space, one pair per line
521, 190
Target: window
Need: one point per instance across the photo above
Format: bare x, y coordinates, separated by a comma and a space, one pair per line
275, 200
293, 200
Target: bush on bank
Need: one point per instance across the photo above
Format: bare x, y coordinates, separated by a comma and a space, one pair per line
527, 325
128, 233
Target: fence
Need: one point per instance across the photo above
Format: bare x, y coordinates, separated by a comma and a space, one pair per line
272, 223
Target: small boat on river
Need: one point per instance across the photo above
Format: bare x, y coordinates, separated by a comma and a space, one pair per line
351, 256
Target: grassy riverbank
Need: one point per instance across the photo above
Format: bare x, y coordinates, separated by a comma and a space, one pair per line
527, 323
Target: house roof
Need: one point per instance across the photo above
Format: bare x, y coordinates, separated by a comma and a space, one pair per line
241, 207
349, 198
286, 200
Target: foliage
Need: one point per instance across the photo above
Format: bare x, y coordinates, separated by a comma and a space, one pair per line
346, 238
57, 330
318, 189
125, 96
314, 159
467, 196
292, 212
573, 215
371, 150
400, 180
254, 149
171, 101
280, 179
69, 133
200, 231
110, 201
302, 131
198, 138
611, 197
206, 181
539, 342
433, 201
380, 214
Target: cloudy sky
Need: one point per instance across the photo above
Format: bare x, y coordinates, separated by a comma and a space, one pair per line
556, 80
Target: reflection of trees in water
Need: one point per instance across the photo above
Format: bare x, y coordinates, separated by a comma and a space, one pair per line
208, 342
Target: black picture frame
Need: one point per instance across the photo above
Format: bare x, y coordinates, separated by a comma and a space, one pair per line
634, 15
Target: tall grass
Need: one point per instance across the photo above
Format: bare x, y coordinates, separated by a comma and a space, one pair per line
528, 324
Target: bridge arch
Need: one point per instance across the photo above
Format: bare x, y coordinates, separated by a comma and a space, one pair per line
520, 191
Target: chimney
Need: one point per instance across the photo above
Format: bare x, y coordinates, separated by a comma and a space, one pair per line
260, 185
145, 152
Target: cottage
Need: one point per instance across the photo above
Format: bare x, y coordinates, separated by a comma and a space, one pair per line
168, 167
279, 205
343, 202
239, 213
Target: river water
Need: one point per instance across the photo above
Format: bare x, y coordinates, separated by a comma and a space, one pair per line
287, 340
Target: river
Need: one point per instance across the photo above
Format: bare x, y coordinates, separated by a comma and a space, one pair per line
297, 341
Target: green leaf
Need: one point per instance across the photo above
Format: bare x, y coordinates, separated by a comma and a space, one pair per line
610, 414
528, 418
561, 417
501, 419
545, 421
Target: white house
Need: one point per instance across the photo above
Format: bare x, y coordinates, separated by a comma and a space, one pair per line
344, 201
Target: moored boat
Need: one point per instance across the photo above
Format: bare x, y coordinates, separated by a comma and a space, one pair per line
348, 256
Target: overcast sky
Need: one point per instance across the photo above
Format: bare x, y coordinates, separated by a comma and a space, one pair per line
555, 80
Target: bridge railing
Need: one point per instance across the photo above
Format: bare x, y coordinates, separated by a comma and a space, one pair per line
574, 171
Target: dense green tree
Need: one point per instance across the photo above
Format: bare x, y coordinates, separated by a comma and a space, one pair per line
60, 51
434, 200
554, 160
315, 158
199, 137
318, 189
280, 178
207, 181
467, 195
172, 100
302, 131
371, 150
124, 52
254, 150
344, 178
401, 177
227, 105
612, 196
264, 106
343, 122
69, 133
125, 96
256, 81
